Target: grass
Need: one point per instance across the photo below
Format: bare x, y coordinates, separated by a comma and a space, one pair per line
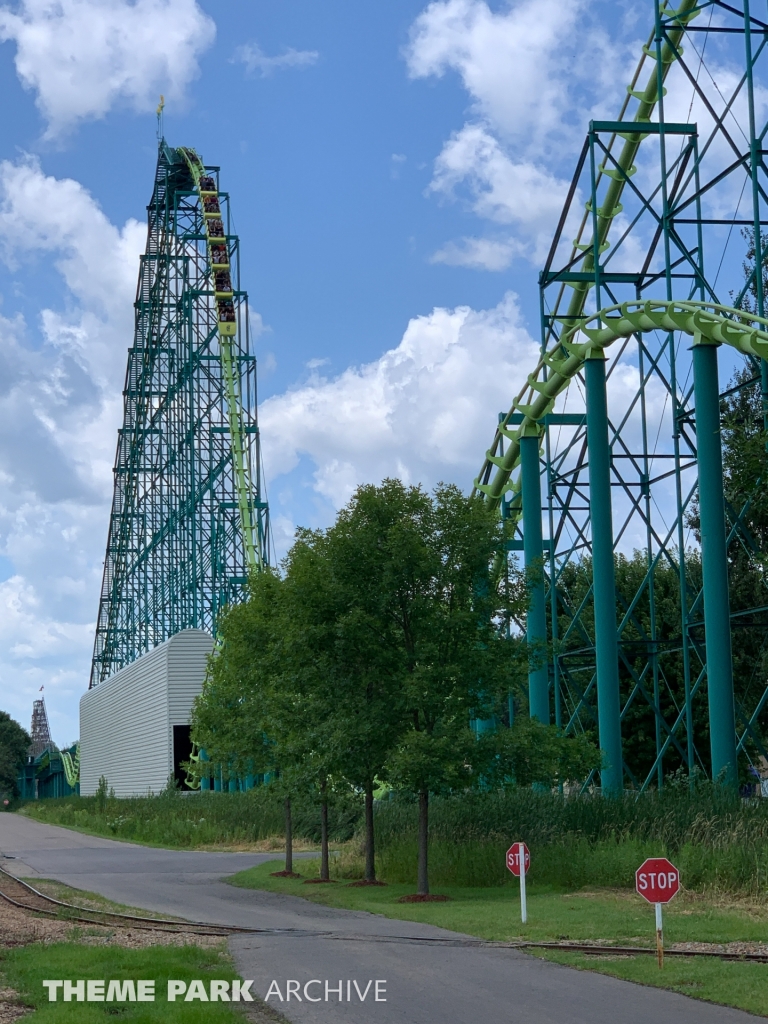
195, 821
25, 968
717, 840
86, 900
615, 916
618, 916
729, 983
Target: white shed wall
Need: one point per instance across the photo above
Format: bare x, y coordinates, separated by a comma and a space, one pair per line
126, 722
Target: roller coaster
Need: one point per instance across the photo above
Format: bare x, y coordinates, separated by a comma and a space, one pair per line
623, 413
189, 520
640, 628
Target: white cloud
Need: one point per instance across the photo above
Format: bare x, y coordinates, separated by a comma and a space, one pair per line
533, 88
255, 59
98, 261
60, 406
474, 164
479, 253
510, 62
500, 190
83, 56
425, 411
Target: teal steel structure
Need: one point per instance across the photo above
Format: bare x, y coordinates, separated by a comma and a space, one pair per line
189, 518
50, 774
625, 405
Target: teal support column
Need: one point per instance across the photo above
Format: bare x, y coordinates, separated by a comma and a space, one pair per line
603, 578
714, 564
205, 782
533, 548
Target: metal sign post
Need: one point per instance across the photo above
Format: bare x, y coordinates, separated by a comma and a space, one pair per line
658, 880
519, 863
523, 905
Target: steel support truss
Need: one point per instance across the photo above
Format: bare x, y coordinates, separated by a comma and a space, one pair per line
189, 520
636, 313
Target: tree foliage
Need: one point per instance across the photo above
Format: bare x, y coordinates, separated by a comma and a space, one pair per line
14, 743
365, 660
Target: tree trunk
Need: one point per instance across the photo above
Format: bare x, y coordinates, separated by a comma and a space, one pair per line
370, 849
288, 836
324, 872
422, 886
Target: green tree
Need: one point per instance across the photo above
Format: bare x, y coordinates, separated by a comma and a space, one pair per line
264, 706
745, 490
421, 586
341, 706
534, 754
367, 658
14, 743
230, 716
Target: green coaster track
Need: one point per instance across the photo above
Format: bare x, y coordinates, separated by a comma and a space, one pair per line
659, 207
189, 520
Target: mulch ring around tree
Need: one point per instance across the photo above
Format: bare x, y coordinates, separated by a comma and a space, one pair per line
283, 874
365, 881
315, 881
418, 897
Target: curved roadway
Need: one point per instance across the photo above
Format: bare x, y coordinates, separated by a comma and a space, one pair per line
432, 976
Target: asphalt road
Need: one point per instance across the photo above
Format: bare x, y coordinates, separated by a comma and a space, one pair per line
427, 975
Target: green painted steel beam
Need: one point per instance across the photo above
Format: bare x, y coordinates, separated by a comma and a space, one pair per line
648, 99
603, 580
707, 321
536, 623
644, 128
714, 559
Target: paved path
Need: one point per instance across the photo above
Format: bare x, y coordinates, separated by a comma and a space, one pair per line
432, 976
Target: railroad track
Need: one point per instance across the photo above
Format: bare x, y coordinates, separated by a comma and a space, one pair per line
583, 947
24, 896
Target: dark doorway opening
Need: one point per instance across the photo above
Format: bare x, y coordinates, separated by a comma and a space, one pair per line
182, 751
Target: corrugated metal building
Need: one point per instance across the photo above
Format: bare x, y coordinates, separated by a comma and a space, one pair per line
134, 727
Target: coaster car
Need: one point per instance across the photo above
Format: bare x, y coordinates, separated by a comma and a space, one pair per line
219, 257
211, 206
226, 309
215, 228
207, 184
222, 282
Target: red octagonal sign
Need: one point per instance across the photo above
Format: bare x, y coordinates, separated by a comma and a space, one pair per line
657, 880
516, 853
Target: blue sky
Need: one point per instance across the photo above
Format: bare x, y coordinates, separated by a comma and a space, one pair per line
396, 170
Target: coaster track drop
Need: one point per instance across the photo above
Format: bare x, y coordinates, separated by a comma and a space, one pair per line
629, 447
189, 521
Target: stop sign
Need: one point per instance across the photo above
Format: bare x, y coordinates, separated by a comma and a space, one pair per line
513, 858
657, 880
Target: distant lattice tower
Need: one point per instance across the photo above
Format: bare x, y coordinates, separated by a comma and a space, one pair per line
189, 520
40, 731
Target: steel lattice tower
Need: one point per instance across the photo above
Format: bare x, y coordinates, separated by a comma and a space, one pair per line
637, 306
189, 521
40, 731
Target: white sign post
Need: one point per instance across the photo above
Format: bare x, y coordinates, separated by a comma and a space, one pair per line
659, 936
523, 905
518, 862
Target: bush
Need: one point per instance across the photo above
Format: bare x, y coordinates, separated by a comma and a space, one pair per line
200, 819
717, 840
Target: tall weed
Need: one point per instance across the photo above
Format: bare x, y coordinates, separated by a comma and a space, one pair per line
717, 840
